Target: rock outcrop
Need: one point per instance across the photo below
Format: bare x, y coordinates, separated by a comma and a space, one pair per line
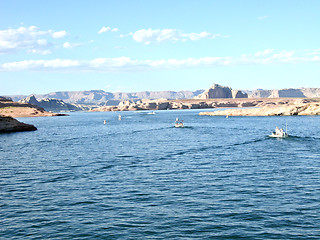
284, 93
5, 99
239, 94
51, 104
16, 109
165, 104
218, 91
9, 124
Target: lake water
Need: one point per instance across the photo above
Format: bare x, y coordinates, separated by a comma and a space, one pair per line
141, 178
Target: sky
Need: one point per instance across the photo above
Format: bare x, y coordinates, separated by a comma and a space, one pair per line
143, 45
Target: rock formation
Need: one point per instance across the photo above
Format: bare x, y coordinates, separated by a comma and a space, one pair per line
218, 91
239, 94
288, 92
165, 104
9, 124
5, 99
16, 109
100, 97
51, 104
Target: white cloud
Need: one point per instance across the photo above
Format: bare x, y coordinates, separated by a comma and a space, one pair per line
69, 45
106, 29
60, 34
148, 36
122, 64
262, 17
30, 39
264, 53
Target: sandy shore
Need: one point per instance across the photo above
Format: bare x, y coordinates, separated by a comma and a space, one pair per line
283, 110
26, 112
15, 109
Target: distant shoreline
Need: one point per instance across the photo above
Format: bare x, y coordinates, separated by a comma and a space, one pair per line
164, 104
303, 109
267, 106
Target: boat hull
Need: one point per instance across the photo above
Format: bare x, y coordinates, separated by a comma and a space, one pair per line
279, 135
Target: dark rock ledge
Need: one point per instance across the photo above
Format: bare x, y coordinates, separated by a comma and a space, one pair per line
9, 124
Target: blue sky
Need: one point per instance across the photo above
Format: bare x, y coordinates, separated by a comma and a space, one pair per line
128, 45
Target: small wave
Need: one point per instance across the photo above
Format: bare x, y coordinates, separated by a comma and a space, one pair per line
124, 156
86, 202
102, 169
149, 130
192, 150
299, 138
185, 127
202, 149
251, 141
304, 138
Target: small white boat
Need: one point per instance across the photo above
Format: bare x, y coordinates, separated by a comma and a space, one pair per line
279, 133
178, 123
151, 113
119, 117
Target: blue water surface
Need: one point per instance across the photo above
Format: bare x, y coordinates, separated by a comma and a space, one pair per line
141, 178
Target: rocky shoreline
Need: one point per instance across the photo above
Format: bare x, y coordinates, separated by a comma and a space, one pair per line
164, 104
16, 109
9, 124
284, 110
10, 109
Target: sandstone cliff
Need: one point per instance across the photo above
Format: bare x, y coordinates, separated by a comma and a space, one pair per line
288, 92
165, 104
16, 109
100, 97
51, 104
218, 91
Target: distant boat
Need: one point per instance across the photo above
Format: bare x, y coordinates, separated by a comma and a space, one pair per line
279, 133
151, 112
119, 117
178, 123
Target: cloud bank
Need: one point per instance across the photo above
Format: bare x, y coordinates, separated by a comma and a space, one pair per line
122, 64
107, 29
148, 36
30, 39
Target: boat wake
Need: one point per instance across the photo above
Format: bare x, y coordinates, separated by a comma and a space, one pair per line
300, 138
250, 141
211, 147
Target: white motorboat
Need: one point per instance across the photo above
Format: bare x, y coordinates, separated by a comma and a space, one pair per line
178, 123
279, 133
